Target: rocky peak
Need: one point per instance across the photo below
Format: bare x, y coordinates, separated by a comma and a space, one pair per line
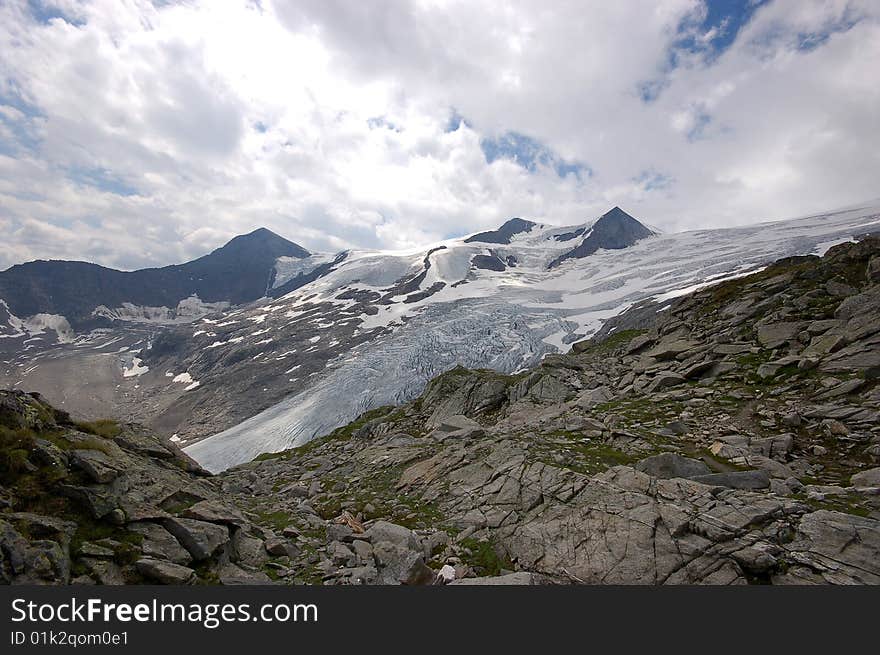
504, 233
614, 230
261, 242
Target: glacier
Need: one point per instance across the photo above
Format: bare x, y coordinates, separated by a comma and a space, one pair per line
445, 312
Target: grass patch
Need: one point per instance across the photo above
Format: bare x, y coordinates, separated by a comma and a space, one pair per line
483, 557
105, 427
15, 448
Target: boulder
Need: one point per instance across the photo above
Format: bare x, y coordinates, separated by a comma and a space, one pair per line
201, 539
824, 344
164, 572
280, 547
100, 467
383, 531
671, 465
774, 335
214, 512
869, 478
158, 543
398, 565
666, 379
699, 369
671, 348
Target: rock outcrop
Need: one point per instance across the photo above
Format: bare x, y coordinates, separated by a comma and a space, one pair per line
89, 503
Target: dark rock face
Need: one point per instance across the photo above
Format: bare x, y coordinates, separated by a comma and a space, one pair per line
238, 272
504, 233
614, 230
488, 263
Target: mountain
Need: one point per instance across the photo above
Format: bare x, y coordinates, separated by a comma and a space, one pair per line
614, 230
240, 271
372, 328
365, 336
732, 440
504, 233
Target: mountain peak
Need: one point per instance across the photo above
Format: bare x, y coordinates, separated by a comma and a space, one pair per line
614, 230
504, 233
262, 241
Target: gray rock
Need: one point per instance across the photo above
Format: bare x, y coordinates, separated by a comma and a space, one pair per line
671, 465
231, 575
48, 454
89, 549
671, 348
774, 335
280, 547
823, 345
835, 548
214, 512
201, 539
383, 531
592, 397
98, 466
873, 271
869, 478
519, 578
699, 369
158, 543
666, 379
340, 553
104, 572
164, 572
399, 565
759, 479
457, 422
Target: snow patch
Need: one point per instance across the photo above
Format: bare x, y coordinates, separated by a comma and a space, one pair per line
135, 370
187, 310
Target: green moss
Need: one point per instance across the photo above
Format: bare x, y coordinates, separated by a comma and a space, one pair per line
268, 457
846, 503
377, 496
278, 520
484, 557
15, 447
105, 427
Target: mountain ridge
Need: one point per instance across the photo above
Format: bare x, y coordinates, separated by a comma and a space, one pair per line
239, 271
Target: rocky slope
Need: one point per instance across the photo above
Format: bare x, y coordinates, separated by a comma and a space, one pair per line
734, 439
88, 503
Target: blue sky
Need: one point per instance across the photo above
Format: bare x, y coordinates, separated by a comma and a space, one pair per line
147, 133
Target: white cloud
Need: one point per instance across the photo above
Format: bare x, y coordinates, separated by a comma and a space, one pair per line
133, 134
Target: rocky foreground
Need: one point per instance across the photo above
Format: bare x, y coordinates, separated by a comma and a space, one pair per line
733, 438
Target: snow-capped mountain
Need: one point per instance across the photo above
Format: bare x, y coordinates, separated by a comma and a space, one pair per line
335, 334
84, 295
377, 326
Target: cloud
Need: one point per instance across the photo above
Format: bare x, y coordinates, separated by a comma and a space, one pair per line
144, 133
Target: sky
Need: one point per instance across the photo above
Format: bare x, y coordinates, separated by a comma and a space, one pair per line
137, 133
